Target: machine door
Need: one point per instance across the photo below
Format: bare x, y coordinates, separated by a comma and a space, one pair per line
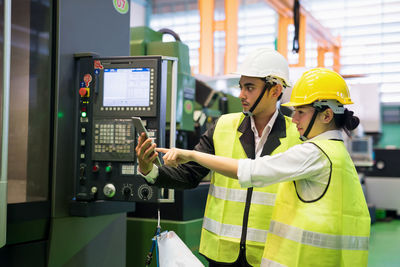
25, 208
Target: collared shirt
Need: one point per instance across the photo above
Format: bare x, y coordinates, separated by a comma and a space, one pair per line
305, 163
259, 144
259, 141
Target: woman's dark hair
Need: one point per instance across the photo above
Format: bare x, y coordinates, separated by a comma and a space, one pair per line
347, 121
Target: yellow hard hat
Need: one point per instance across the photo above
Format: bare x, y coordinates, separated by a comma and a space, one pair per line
319, 84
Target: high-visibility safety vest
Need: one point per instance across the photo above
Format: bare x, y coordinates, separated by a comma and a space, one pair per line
332, 230
223, 219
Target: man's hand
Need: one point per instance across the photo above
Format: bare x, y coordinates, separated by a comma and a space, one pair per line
146, 154
175, 156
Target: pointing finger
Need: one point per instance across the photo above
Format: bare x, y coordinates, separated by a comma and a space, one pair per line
162, 150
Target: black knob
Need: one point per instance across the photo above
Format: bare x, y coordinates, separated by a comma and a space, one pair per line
127, 191
82, 180
82, 170
145, 193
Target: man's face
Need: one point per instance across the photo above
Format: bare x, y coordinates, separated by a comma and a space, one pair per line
250, 89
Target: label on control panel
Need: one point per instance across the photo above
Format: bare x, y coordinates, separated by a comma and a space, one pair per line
128, 169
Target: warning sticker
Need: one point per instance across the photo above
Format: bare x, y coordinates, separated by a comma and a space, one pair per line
87, 79
97, 65
122, 6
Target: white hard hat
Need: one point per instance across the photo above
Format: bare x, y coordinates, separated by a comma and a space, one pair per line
264, 63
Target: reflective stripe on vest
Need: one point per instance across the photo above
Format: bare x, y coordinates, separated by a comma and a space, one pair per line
234, 231
317, 239
262, 198
270, 263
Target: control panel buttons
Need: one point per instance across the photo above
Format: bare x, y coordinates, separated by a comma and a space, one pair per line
82, 169
109, 168
84, 92
145, 192
83, 130
82, 180
95, 168
127, 190
109, 190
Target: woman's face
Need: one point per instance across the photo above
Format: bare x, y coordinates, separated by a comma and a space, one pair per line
301, 117
323, 122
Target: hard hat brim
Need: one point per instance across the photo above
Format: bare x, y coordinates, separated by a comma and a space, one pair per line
294, 104
286, 83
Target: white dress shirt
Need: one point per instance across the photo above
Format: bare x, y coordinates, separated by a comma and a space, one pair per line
258, 140
304, 163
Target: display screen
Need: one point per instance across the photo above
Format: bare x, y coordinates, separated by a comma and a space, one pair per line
126, 87
359, 146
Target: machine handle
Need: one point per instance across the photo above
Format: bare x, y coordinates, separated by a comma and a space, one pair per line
172, 125
5, 112
168, 31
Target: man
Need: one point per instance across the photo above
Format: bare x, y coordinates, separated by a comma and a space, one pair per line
236, 220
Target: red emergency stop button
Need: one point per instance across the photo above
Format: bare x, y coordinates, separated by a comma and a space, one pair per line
83, 92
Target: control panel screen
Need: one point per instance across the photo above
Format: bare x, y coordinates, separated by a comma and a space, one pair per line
126, 87
359, 146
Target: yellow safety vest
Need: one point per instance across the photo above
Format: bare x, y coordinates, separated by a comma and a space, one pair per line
223, 218
332, 230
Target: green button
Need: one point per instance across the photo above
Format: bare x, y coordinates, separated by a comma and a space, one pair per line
84, 114
108, 169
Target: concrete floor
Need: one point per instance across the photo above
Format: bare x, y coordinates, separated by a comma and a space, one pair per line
384, 246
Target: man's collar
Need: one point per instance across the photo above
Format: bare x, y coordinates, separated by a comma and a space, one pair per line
269, 125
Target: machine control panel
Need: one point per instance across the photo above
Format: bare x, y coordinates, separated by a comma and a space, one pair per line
110, 91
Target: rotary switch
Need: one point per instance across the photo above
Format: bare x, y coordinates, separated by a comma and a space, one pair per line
145, 192
127, 191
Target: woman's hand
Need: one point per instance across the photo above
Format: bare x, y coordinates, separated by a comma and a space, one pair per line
223, 165
175, 156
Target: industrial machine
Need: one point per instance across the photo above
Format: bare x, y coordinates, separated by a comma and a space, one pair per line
382, 181
361, 151
145, 41
110, 91
197, 106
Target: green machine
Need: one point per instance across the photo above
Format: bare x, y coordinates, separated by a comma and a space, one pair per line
185, 216
197, 107
145, 41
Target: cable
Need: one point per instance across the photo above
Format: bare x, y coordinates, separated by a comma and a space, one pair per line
154, 244
296, 22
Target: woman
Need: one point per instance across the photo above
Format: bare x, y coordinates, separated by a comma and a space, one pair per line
321, 217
